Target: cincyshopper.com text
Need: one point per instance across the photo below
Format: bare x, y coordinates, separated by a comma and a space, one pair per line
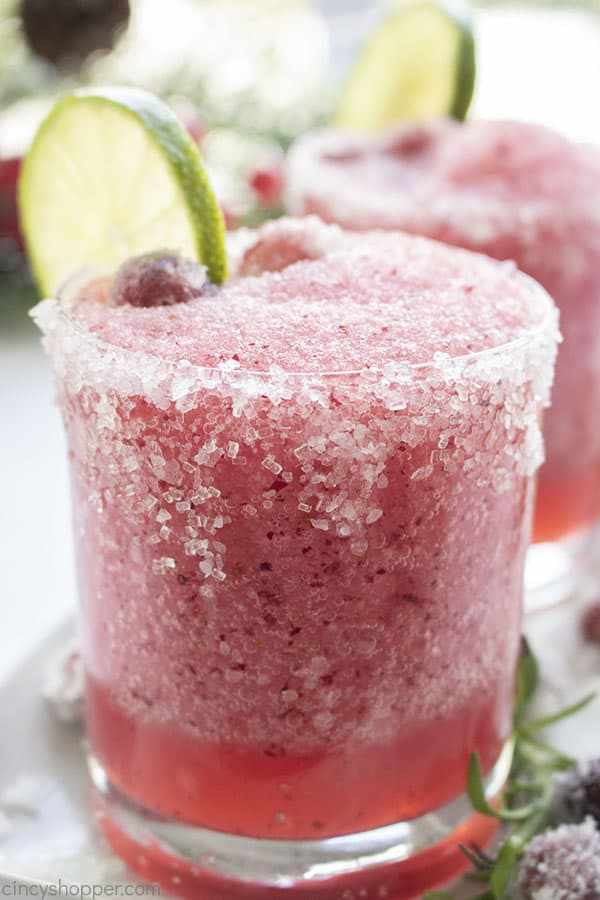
64, 889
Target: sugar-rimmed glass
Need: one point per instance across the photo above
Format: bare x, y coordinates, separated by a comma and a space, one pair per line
293, 636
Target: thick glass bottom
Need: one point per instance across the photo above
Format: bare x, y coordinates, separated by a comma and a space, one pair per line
555, 569
272, 790
396, 862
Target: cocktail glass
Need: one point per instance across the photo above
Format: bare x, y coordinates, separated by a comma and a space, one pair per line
514, 192
301, 590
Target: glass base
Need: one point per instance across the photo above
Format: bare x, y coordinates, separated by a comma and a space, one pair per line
556, 569
395, 862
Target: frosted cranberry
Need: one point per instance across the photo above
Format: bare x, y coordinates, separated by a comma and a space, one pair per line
590, 623
158, 279
271, 256
577, 794
562, 864
282, 244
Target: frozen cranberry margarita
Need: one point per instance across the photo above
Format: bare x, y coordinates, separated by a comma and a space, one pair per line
302, 504
512, 191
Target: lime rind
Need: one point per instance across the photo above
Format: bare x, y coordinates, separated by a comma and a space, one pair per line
466, 75
418, 63
67, 222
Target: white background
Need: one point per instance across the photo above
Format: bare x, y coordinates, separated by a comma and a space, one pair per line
37, 585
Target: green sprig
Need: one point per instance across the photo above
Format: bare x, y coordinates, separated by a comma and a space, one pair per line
524, 806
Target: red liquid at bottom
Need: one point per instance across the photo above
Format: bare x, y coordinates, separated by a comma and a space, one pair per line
348, 791
398, 881
284, 795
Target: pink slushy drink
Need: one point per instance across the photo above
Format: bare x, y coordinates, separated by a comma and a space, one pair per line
512, 191
302, 505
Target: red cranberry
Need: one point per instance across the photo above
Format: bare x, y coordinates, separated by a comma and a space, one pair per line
157, 279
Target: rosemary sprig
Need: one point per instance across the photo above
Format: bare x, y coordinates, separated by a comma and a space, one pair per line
526, 798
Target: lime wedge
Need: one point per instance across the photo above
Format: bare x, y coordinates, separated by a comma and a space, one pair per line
112, 174
418, 63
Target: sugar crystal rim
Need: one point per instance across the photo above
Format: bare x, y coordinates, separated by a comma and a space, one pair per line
546, 325
308, 156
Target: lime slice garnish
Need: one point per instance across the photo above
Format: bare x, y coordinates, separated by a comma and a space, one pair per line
111, 174
417, 64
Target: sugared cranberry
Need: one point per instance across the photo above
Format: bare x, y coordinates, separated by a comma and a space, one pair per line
284, 243
577, 794
590, 623
272, 256
158, 279
562, 864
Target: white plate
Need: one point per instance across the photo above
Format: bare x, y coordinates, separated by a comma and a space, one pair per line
47, 831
